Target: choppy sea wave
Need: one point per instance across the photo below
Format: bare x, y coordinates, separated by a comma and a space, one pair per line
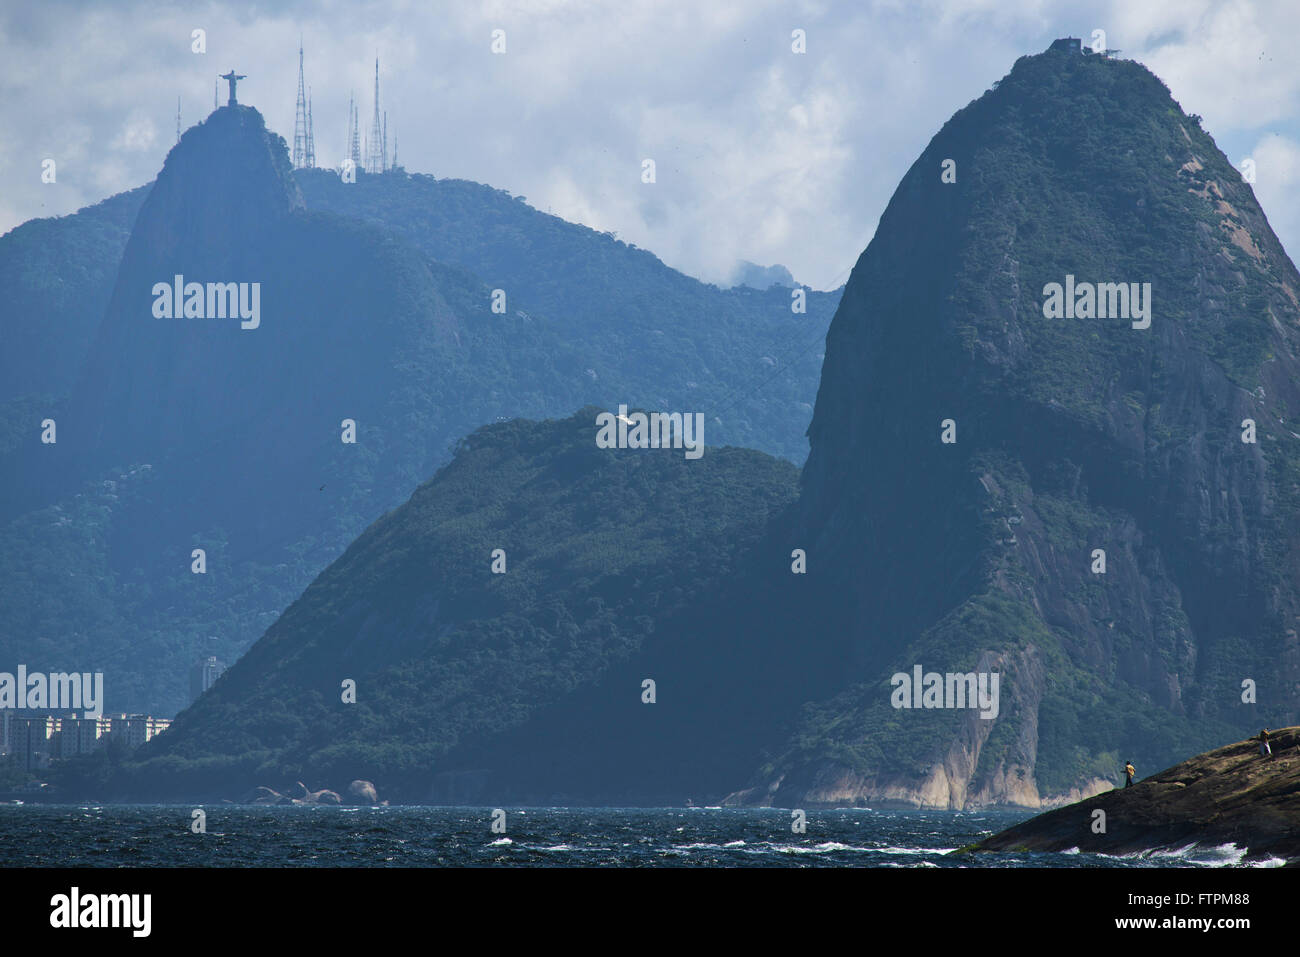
239, 836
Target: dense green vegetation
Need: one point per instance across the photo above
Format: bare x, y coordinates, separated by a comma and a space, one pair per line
603, 550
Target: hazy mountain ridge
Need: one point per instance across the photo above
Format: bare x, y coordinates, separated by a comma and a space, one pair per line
741, 352
240, 428
57, 275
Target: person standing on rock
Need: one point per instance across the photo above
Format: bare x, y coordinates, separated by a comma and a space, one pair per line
1129, 771
1264, 750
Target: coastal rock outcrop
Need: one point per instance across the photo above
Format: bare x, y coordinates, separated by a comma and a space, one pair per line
1231, 795
362, 792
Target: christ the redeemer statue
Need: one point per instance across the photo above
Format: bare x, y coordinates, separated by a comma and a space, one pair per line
232, 78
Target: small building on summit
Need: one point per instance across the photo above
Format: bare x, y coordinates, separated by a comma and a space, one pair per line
1067, 45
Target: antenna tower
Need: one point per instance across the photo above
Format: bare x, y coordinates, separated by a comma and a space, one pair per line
311, 137
300, 119
354, 134
375, 149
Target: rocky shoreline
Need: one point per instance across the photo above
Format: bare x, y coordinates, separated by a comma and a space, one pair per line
1231, 795
359, 794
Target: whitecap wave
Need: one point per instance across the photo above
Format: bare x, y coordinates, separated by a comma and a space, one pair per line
825, 847
1218, 855
915, 850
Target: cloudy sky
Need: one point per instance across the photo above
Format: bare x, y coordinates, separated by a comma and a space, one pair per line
761, 153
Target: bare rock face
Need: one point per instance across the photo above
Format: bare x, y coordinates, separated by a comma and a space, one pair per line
362, 792
323, 797
262, 795
1229, 795
954, 779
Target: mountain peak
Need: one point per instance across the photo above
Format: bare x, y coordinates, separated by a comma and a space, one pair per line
979, 456
215, 215
224, 179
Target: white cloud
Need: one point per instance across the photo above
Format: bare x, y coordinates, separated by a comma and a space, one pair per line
1277, 171
1233, 63
762, 154
137, 134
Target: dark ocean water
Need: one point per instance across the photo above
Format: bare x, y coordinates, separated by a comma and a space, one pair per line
240, 836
